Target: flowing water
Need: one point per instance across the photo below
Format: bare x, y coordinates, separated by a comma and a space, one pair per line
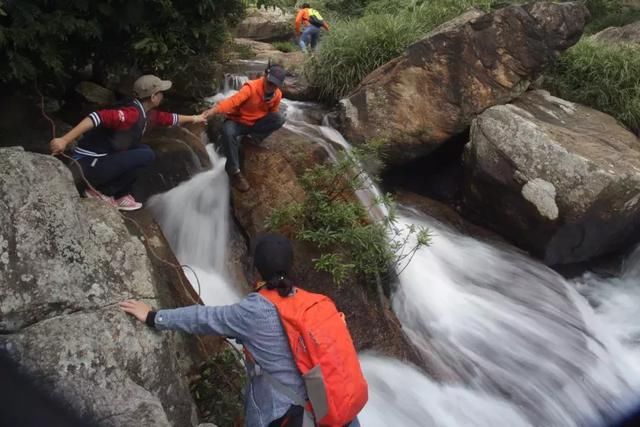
525, 346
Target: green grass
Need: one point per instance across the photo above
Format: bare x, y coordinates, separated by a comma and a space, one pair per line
355, 47
601, 75
285, 46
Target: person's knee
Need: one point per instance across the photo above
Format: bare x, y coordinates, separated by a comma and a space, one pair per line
229, 129
146, 156
278, 120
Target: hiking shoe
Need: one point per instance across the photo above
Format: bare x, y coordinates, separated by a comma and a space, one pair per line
239, 182
90, 193
128, 203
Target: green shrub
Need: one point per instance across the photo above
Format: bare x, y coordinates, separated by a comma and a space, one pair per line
355, 47
350, 242
601, 75
217, 389
51, 40
285, 46
609, 13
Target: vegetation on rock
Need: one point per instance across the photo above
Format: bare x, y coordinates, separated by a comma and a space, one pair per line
601, 75
332, 219
217, 389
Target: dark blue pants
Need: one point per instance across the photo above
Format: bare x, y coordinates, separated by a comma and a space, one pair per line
232, 131
115, 173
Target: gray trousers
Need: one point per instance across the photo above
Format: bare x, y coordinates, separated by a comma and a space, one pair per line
233, 131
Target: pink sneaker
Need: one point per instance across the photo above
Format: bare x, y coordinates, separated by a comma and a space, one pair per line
94, 194
128, 203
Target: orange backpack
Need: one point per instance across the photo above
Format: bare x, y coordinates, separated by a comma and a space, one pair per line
324, 353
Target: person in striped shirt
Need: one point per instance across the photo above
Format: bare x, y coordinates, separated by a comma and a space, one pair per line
109, 149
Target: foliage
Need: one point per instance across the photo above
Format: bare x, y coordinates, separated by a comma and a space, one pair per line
285, 46
351, 241
609, 13
50, 40
601, 75
355, 47
217, 389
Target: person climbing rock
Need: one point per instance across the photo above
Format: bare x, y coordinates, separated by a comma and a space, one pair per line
322, 385
309, 24
109, 149
253, 111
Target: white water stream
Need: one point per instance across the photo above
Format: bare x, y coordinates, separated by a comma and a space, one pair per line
525, 345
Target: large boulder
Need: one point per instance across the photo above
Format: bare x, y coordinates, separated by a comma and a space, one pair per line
266, 24
273, 170
559, 179
65, 263
419, 100
627, 34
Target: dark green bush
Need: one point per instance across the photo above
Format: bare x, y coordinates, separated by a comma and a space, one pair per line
217, 388
601, 75
51, 40
609, 13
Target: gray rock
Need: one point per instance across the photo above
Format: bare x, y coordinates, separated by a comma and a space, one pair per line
65, 263
560, 179
627, 34
266, 24
419, 100
95, 93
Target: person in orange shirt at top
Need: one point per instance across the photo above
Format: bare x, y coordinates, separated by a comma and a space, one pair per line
309, 22
253, 111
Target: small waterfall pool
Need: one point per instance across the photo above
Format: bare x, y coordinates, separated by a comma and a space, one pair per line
527, 347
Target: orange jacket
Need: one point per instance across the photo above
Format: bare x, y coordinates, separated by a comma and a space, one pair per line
248, 105
302, 20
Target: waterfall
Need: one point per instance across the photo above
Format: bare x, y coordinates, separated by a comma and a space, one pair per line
526, 346
194, 218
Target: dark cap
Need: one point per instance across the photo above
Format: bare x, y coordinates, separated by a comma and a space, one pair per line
276, 75
273, 256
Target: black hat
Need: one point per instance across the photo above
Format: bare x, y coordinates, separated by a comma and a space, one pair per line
273, 256
276, 75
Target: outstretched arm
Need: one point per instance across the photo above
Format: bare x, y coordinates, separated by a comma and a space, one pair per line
231, 320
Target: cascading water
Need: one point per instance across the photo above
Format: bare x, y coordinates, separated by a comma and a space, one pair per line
525, 348
195, 220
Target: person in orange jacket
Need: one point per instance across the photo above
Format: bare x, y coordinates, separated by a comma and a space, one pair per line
309, 23
253, 111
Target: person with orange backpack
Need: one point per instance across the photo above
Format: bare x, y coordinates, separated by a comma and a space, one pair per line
301, 361
309, 24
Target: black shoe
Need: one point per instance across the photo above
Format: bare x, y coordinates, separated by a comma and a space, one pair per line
239, 182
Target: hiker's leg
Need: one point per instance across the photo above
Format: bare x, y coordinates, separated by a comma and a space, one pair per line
231, 131
314, 37
114, 174
267, 125
305, 39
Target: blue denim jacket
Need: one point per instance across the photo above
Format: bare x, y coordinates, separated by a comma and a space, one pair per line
253, 321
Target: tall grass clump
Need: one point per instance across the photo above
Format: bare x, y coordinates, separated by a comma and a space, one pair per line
601, 75
355, 47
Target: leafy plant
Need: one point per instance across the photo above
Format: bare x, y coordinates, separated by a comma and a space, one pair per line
609, 13
353, 239
601, 75
51, 41
217, 389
